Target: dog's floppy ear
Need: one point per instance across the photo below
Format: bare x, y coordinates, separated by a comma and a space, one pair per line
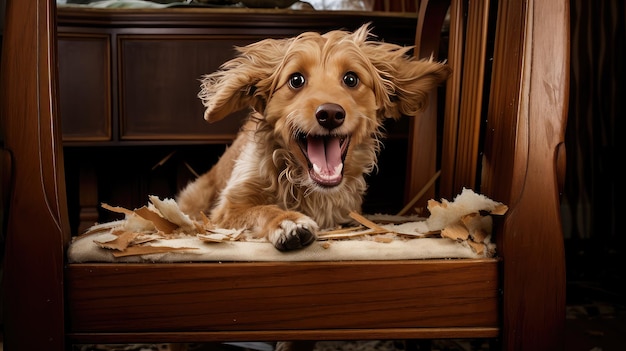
413, 79
243, 81
405, 81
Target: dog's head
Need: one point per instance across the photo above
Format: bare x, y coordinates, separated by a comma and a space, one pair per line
323, 96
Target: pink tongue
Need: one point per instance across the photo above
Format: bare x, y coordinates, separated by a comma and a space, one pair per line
324, 153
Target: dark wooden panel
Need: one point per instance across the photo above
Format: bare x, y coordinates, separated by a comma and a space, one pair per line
156, 58
85, 87
296, 295
159, 83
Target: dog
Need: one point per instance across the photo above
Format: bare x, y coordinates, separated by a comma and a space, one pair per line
317, 104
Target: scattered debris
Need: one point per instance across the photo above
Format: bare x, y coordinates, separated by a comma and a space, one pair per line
467, 219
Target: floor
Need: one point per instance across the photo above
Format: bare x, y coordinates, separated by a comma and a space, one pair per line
596, 324
596, 304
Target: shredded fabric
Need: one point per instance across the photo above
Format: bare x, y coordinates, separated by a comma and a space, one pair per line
161, 232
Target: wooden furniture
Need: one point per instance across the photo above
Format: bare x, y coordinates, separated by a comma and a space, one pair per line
512, 151
127, 77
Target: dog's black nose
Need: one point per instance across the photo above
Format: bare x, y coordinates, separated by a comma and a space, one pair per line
330, 116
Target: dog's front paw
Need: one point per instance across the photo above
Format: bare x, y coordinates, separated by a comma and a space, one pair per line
293, 235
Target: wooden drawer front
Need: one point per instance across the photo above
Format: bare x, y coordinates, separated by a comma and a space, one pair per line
159, 84
316, 296
84, 87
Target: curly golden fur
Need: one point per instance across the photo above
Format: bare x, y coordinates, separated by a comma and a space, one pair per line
317, 105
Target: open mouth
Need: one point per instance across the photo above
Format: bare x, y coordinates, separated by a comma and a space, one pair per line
325, 155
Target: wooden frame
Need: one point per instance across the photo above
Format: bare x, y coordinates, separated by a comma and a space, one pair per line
518, 298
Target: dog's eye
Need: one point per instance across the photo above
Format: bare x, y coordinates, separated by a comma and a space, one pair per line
296, 80
350, 79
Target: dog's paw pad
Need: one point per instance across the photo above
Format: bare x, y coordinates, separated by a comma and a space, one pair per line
294, 236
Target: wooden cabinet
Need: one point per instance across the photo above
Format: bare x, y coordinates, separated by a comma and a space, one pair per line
130, 78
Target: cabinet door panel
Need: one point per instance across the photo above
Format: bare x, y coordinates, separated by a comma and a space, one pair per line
159, 84
84, 87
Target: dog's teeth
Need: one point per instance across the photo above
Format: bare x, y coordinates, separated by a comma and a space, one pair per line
317, 169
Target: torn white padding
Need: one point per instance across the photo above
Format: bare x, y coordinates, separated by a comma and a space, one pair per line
196, 241
445, 213
86, 250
